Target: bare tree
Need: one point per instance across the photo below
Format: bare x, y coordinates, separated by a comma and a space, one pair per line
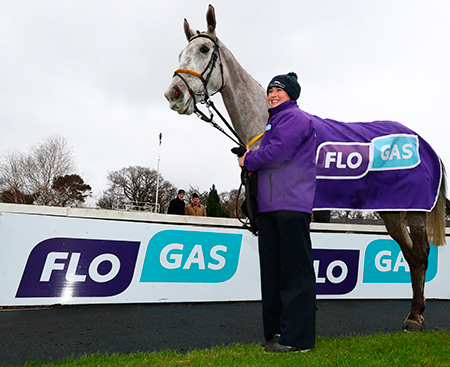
32, 175
47, 161
12, 180
112, 198
232, 202
136, 185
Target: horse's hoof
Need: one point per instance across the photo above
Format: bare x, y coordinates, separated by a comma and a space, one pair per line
412, 326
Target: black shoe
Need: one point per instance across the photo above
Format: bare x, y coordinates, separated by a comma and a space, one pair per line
271, 341
276, 347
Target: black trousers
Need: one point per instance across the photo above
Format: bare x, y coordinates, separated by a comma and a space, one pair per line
288, 282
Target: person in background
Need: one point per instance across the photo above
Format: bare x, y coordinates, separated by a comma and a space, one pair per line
195, 208
177, 205
286, 167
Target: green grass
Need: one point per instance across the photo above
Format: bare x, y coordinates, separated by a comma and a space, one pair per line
430, 348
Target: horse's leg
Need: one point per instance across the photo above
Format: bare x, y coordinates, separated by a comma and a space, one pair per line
395, 223
415, 249
417, 222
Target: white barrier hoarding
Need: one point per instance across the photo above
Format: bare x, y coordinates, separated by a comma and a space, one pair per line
113, 257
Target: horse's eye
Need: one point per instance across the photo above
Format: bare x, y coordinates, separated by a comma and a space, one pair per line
204, 49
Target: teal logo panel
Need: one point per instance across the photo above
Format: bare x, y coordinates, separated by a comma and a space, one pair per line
178, 256
395, 152
384, 263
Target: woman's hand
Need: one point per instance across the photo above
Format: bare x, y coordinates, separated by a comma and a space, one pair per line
242, 159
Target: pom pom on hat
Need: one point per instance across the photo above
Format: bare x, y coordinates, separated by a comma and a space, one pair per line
287, 82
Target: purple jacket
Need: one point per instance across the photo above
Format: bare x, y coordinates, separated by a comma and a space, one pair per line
285, 161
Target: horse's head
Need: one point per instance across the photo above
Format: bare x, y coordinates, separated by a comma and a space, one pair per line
199, 74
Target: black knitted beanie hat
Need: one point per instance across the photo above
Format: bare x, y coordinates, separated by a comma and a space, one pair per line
287, 82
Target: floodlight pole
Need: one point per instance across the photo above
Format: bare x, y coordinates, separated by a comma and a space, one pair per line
157, 173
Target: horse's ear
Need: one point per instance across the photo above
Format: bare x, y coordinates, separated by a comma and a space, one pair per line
211, 19
188, 31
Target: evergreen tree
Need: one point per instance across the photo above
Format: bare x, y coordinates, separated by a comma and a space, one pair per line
213, 206
71, 190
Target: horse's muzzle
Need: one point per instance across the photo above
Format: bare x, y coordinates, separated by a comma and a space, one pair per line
179, 101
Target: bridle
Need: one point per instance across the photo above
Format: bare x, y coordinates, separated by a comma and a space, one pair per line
205, 76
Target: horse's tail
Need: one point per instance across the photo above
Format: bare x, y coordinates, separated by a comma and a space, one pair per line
436, 218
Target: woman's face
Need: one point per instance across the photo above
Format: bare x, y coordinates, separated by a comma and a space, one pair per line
277, 96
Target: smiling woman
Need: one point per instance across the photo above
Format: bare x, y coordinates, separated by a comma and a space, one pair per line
286, 167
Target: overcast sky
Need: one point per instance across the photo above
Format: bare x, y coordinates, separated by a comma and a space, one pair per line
95, 72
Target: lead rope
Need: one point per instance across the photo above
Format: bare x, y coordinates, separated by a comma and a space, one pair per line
250, 222
210, 120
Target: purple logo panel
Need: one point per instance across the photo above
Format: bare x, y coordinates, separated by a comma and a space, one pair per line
336, 270
71, 267
341, 160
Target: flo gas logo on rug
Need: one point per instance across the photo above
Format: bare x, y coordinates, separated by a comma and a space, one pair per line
384, 263
178, 256
343, 160
73, 267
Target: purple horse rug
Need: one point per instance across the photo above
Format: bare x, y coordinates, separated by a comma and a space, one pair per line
380, 165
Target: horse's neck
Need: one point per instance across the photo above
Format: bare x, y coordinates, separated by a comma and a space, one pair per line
244, 99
